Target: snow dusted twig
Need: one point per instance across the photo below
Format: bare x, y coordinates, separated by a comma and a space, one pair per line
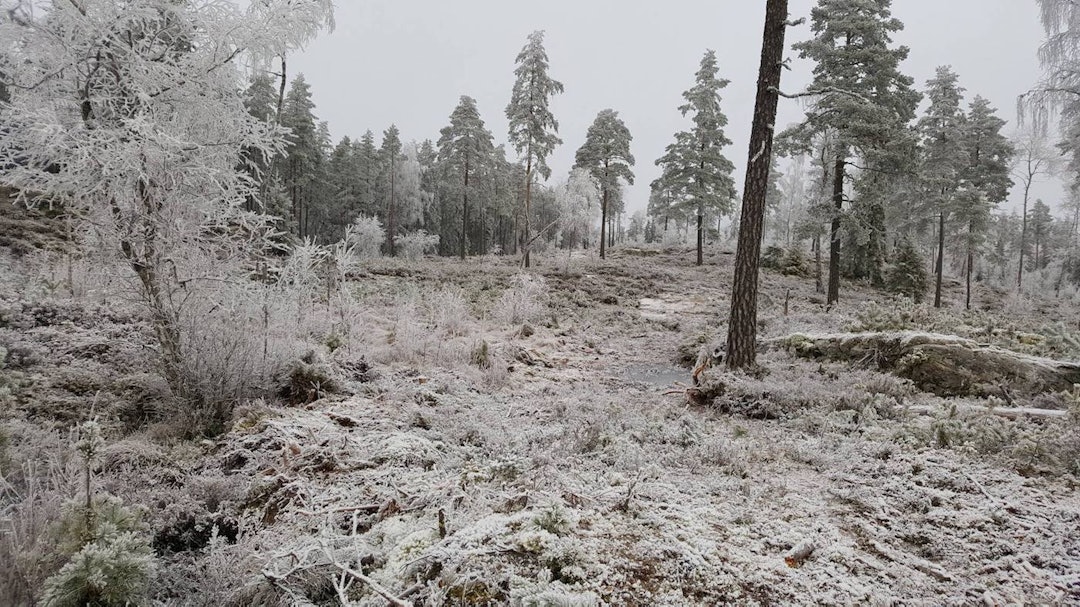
821, 91
375, 586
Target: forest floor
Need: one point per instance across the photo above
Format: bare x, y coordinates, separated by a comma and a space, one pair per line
498, 439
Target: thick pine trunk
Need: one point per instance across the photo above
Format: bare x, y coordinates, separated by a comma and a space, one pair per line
742, 327
834, 231
940, 265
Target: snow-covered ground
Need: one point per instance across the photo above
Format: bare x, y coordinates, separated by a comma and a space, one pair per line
522, 441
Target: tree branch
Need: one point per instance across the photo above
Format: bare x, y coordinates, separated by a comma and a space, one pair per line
821, 91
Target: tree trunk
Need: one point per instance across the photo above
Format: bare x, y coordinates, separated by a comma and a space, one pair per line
940, 264
528, 201
1023, 234
390, 228
819, 285
742, 327
465, 212
700, 238
970, 262
603, 225
834, 232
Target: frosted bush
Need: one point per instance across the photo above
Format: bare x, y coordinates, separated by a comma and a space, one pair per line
415, 245
448, 310
366, 235
525, 300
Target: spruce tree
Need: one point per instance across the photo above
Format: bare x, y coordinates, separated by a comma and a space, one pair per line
533, 128
606, 155
695, 170
465, 148
907, 276
390, 157
302, 156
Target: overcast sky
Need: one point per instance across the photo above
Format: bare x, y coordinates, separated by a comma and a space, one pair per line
408, 61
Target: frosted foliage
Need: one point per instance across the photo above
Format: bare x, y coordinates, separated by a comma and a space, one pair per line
415, 245
366, 236
171, 128
524, 301
579, 203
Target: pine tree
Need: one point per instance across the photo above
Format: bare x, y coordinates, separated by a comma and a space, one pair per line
986, 178
465, 148
741, 350
944, 160
533, 128
695, 170
860, 97
606, 155
389, 161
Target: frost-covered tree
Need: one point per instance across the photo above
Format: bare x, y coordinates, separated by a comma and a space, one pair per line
132, 114
694, 168
989, 155
389, 159
859, 96
533, 128
578, 203
303, 156
944, 156
412, 199
465, 149
1036, 159
606, 155
1040, 221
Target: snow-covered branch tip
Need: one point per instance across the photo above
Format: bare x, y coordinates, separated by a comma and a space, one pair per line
821, 91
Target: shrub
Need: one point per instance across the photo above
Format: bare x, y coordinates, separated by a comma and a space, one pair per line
907, 275
106, 544
366, 235
415, 244
789, 262
525, 301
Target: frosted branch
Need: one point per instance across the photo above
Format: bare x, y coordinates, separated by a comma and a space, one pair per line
822, 91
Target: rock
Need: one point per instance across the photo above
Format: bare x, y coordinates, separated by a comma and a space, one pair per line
945, 365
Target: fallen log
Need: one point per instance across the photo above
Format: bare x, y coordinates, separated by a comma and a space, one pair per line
1013, 413
945, 365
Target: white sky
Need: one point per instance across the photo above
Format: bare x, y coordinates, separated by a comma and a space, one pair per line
408, 61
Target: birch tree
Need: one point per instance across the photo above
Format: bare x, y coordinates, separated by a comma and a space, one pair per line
132, 113
1036, 159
